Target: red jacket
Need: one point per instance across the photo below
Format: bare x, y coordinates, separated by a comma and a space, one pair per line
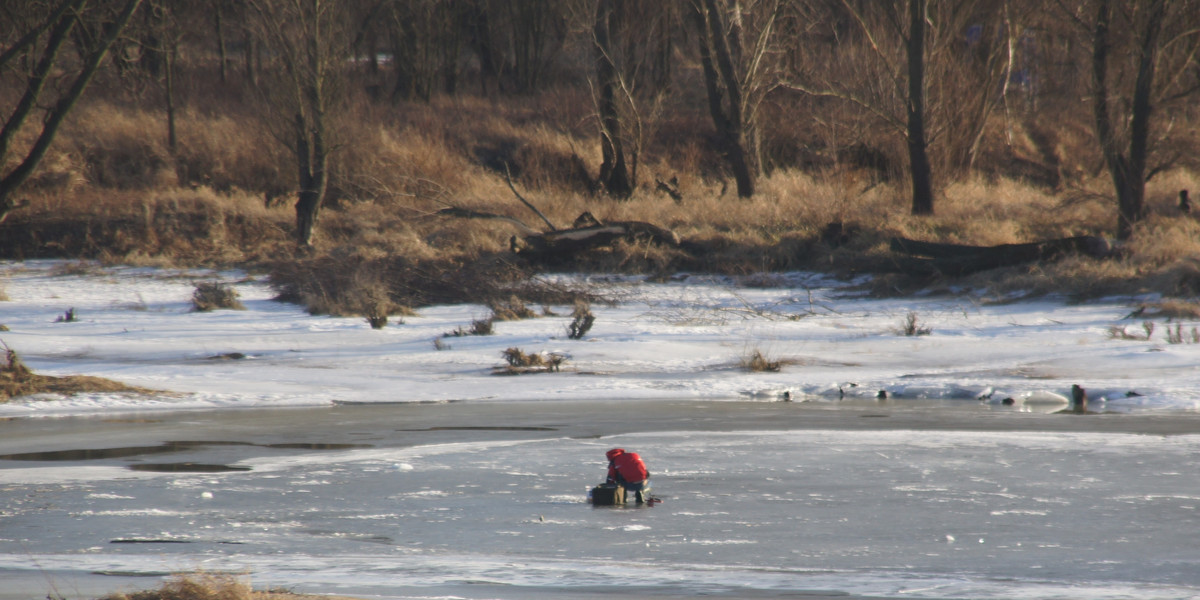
626, 467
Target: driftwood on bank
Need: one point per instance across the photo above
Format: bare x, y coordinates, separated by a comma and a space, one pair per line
560, 244
557, 245
931, 258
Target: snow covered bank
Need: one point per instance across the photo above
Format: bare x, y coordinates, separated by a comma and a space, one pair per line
677, 340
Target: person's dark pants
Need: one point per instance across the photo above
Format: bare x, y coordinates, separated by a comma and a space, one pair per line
640, 489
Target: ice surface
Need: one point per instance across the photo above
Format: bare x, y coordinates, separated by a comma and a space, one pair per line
873, 512
439, 479
679, 340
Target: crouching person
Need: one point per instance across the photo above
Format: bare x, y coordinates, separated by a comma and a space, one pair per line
628, 470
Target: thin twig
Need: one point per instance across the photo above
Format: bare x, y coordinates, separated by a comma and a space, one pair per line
508, 178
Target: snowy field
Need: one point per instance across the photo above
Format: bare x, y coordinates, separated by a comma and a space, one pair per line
682, 340
335, 458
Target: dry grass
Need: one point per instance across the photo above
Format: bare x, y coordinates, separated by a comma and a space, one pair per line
478, 327
1171, 310
520, 363
757, 362
213, 295
912, 326
203, 586
581, 321
212, 586
112, 191
16, 380
511, 309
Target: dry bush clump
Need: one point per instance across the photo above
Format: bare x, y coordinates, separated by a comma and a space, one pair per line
13, 368
511, 309
912, 326
757, 362
520, 363
201, 586
1120, 332
213, 295
478, 327
16, 379
581, 321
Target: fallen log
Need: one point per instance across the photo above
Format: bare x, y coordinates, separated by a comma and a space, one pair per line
555, 245
961, 259
565, 242
588, 233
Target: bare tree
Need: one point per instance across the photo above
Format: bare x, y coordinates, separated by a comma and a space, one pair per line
908, 59
159, 38
614, 173
976, 81
48, 36
734, 40
1149, 35
427, 38
309, 39
918, 141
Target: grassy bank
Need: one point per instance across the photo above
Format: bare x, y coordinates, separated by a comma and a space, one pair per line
111, 190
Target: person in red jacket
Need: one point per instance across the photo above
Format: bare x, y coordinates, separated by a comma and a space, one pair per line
627, 469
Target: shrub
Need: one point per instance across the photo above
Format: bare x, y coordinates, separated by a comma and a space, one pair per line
13, 368
204, 586
757, 362
582, 321
912, 326
478, 327
519, 362
1118, 332
213, 295
513, 309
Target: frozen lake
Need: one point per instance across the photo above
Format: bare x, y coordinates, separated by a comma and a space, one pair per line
487, 500
317, 454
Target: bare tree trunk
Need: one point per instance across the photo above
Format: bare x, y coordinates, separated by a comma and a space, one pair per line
219, 22
312, 162
54, 117
614, 174
724, 92
169, 87
250, 55
1127, 166
312, 152
918, 146
312, 40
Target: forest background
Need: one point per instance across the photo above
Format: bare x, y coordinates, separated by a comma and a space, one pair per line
378, 155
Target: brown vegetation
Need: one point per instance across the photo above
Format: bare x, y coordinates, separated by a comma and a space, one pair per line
16, 379
757, 362
520, 363
582, 320
212, 586
828, 192
212, 295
